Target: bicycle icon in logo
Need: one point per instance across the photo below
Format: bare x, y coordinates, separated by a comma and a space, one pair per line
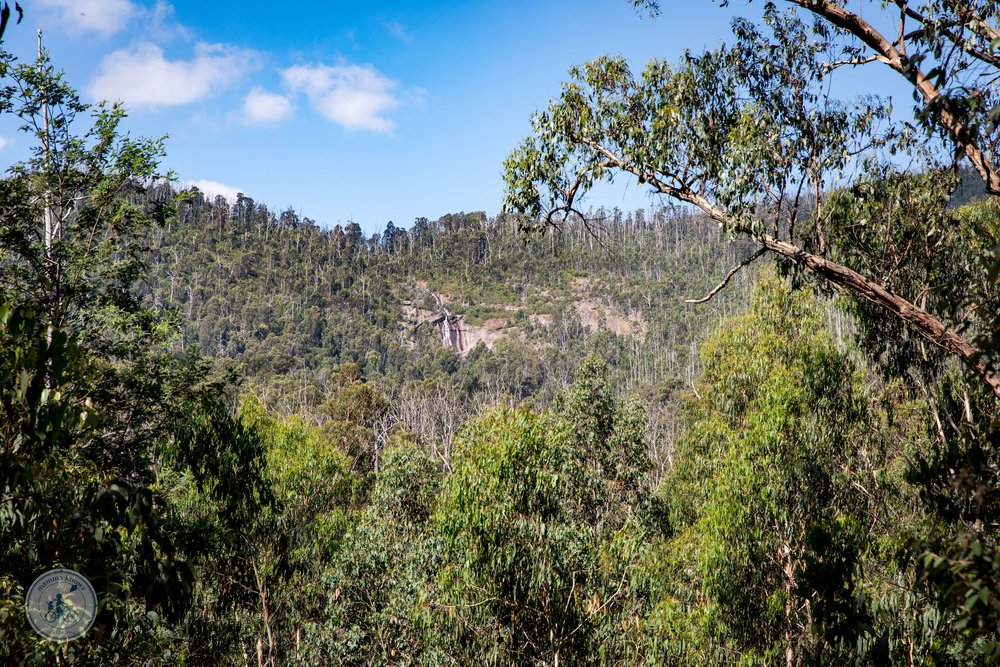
59, 613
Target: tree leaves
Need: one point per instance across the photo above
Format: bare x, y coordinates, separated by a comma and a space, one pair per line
5, 17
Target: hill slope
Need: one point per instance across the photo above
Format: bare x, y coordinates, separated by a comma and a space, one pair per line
280, 297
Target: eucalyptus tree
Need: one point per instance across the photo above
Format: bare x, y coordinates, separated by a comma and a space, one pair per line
93, 406
749, 135
789, 509
760, 481
538, 521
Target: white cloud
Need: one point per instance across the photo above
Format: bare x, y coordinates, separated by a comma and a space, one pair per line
4, 143
162, 25
105, 17
213, 188
260, 107
398, 30
356, 97
143, 77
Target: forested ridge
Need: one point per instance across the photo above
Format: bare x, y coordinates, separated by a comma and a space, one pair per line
278, 294
286, 303
754, 427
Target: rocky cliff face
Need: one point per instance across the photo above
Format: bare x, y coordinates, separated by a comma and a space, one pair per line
454, 332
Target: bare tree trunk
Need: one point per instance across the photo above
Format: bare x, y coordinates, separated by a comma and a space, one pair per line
789, 591
263, 660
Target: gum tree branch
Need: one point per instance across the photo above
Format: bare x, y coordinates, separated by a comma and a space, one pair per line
835, 274
947, 118
725, 281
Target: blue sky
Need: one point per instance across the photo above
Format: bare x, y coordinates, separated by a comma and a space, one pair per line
348, 111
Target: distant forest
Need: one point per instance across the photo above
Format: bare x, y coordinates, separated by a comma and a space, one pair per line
286, 304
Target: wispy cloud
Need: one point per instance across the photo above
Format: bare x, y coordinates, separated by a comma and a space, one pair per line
353, 96
261, 107
142, 77
4, 143
397, 30
162, 25
211, 189
105, 17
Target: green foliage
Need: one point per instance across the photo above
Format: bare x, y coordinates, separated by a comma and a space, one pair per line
761, 491
535, 517
83, 262
609, 460
287, 303
708, 131
353, 412
373, 498
260, 571
749, 135
512, 585
380, 584
899, 226
70, 501
94, 404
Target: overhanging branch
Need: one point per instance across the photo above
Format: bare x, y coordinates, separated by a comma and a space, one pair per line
947, 117
835, 274
732, 272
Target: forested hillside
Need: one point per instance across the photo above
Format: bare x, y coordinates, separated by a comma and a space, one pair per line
286, 303
280, 295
